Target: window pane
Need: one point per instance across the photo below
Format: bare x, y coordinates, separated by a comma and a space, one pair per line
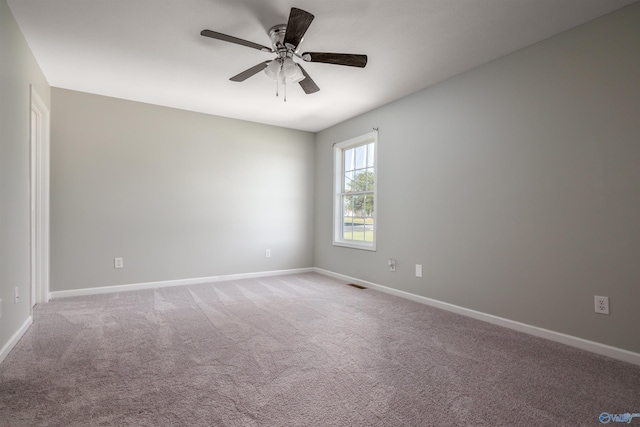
361, 160
347, 208
348, 232
358, 181
369, 180
348, 159
371, 152
357, 230
357, 217
358, 205
361, 181
368, 207
368, 234
347, 218
348, 181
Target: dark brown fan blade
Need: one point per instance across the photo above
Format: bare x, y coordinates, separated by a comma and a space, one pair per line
299, 21
348, 59
231, 39
307, 84
250, 72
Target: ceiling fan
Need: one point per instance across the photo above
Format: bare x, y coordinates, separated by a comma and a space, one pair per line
285, 41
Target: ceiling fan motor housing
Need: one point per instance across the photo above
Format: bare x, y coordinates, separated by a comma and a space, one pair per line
276, 34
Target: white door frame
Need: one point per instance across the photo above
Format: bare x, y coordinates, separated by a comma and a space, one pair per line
39, 198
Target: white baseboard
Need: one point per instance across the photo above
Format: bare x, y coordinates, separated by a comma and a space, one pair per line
166, 283
15, 338
591, 346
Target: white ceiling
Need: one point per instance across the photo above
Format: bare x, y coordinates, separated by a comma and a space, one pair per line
151, 50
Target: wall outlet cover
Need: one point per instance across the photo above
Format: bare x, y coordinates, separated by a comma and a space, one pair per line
602, 304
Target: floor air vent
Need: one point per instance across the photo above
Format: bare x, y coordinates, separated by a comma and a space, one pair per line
357, 286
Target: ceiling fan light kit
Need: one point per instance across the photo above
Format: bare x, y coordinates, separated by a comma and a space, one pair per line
285, 41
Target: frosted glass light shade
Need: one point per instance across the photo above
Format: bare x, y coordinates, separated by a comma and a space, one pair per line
289, 67
273, 69
296, 77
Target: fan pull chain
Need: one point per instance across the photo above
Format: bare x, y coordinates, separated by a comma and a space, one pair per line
284, 82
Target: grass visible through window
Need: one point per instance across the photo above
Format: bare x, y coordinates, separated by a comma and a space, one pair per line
358, 229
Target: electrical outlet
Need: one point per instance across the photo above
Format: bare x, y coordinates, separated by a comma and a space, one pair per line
267, 253
602, 305
16, 295
118, 263
392, 264
418, 270
0, 307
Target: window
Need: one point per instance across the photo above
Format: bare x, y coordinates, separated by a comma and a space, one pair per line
354, 223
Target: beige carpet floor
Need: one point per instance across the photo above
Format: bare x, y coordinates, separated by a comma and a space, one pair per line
295, 350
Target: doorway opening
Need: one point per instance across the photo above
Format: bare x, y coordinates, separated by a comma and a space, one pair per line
39, 199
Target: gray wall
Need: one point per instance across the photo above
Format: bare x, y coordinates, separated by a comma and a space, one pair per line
177, 194
516, 185
18, 70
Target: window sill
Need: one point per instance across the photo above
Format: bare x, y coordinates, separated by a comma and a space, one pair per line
364, 247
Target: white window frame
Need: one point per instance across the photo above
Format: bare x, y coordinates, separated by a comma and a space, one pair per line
338, 182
